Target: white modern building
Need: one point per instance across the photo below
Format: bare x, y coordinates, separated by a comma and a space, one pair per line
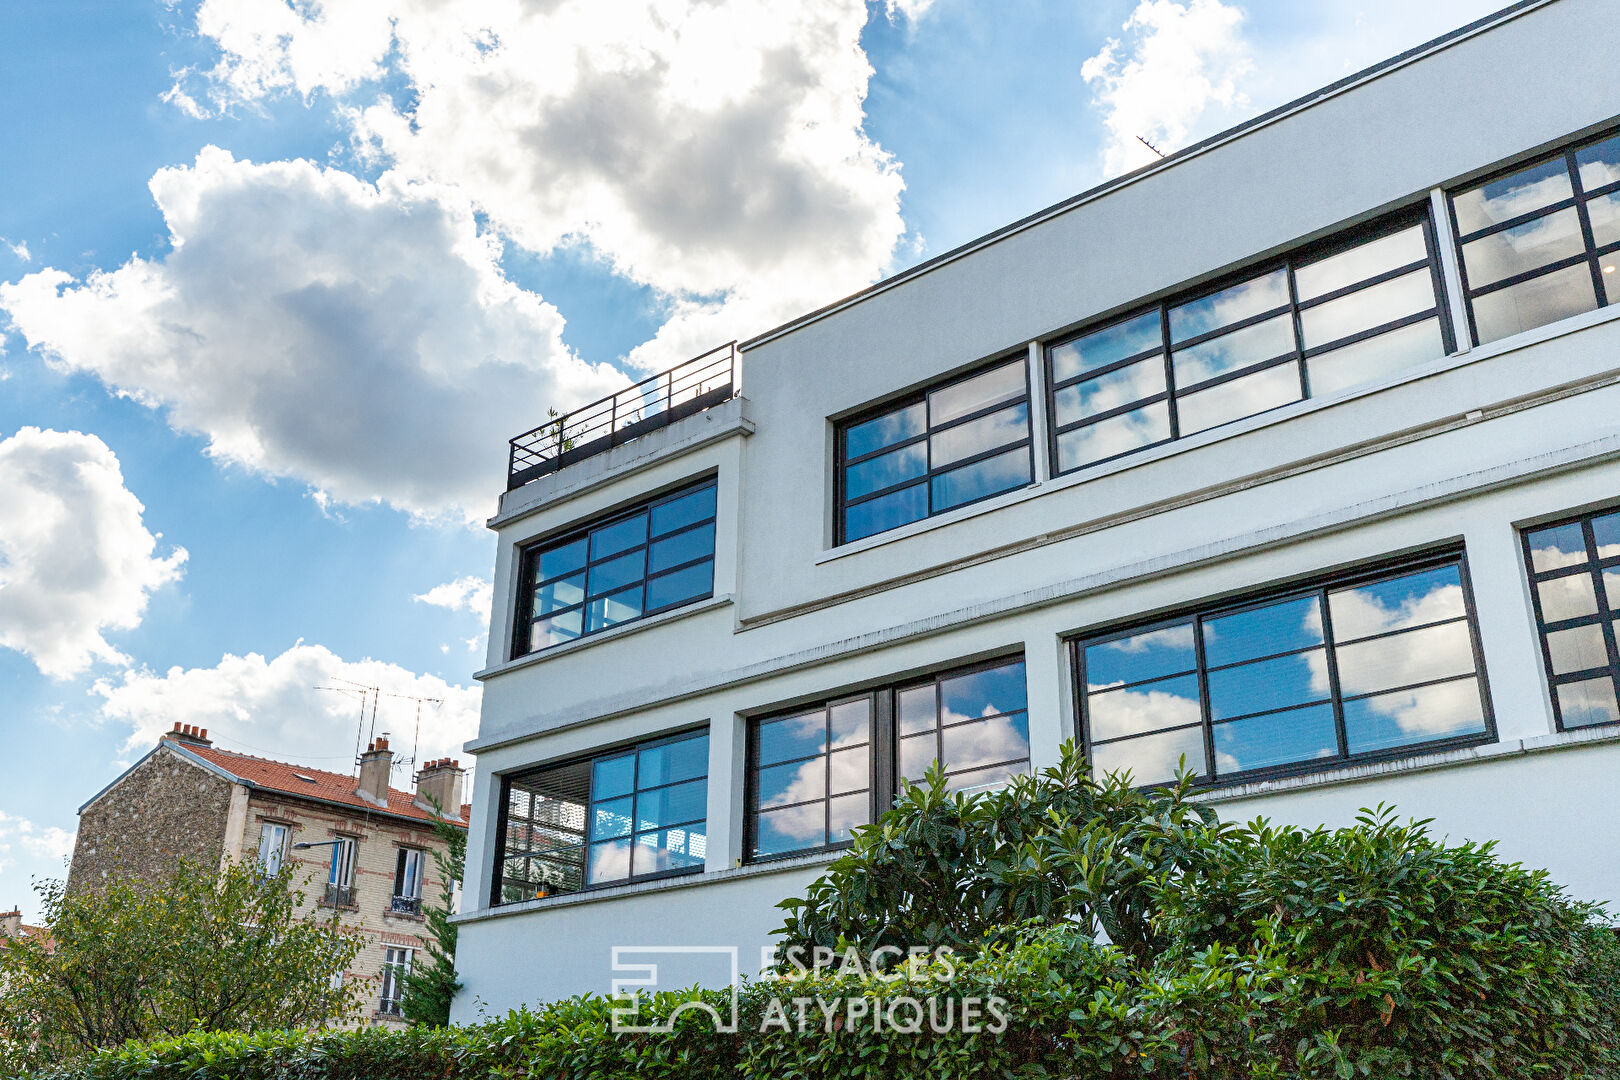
1291, 456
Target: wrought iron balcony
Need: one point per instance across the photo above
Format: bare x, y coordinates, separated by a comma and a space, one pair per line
406, 905
339, 896
700, 383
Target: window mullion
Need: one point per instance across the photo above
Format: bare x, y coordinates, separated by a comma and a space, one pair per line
1207, 712
1331, 659
1169, 371
1587, 236
1445, 263
885, 751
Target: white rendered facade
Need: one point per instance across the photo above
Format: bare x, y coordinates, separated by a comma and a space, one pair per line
1458, 454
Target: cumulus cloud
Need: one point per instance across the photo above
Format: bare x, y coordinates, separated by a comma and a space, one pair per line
270, 707
1177, 64
472, 594
76, 559
19, 835
19, 249
712, 149
359, 337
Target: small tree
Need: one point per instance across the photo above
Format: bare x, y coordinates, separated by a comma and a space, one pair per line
429, 988
199, 951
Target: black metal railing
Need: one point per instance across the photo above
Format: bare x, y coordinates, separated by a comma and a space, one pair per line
339, 895
407, 905
700, 383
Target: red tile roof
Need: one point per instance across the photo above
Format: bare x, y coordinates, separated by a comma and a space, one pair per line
330, 787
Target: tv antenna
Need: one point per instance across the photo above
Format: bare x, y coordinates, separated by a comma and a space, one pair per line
371, 696
1150, 146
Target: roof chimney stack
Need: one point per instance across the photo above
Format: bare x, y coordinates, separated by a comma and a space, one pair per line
440, 781
375, 766
11, 923
189, 735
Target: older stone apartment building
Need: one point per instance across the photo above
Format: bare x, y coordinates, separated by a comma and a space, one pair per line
369, 845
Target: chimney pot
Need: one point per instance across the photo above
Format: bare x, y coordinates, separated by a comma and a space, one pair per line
202, 734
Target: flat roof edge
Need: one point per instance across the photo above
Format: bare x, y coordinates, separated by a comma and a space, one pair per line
1383, 67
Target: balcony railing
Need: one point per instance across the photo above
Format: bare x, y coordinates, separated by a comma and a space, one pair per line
407, 905
339, 895
700, 383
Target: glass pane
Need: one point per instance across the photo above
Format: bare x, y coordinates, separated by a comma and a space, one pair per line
682, 547
1284, 738
1004, 738
1606, 531
1374, 358
612, 539
1264, 631
886, 470
779, 831
1591, 701
980, 778
1153, 759
694, 582
851, 722
1132, 382
562, 560
887, 512
1147, 707
849, 770
916, 754
983, 693
1534, 303
677, 804
1567, 597
1228, 306
1367, 308
885, 430
1239, 349
1580, 648
609, 611
619, 572
1564, 545
565, 592
673, 761
1611, 586
1268, 684
982, 479
846, 812
1239, 398
555, 629
1599, 164
1512, 196
792, 737
800, 781
986, 433
1360, 263
672, 849
613, 776
672, 515
1000, 384
1106, 346
1604, 212
1141, 656
1409, 600
1404, 659
1523, 248
609, 861
918, 708
1413, 716
1114, 436
1610, 265
610, 819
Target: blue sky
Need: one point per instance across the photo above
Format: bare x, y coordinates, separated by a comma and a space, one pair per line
277, 280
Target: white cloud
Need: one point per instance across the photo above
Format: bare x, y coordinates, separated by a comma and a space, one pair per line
76, 559
472, 594
908, 9
19, 249
271, 707
1179, 64
18, 834
359, 337
713, 149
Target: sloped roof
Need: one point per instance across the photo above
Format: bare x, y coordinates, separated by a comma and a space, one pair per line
289, 779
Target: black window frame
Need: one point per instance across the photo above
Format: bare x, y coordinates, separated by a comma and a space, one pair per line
1590, 252
1416, 214
1319, 586
530, 554
883, 748
588, 761
841, 460
1594, 565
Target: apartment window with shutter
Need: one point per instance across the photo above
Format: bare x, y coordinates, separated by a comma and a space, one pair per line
272, 848
396, 965
340, 873
409, 870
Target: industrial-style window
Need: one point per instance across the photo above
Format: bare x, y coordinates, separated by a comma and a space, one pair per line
1541, 242
946, 447
340, 873
1366, 665
396, 965
1575, 583
816, 773
655, 557
410, 867
1341, 312
625, 815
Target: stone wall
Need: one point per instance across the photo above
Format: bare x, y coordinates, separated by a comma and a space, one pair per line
164, 809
